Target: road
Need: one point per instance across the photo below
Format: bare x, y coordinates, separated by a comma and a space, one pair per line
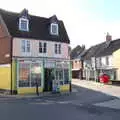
79, 105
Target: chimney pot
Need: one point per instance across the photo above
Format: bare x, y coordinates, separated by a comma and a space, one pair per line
108, 37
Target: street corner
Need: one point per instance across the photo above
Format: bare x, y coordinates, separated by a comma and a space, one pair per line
113, 104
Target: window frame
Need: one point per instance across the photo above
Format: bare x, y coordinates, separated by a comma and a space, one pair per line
61, 70
25, 46
51, 29
100, 61
107, 60
23, 50
20, 24
42, 47
30, 73
57, 48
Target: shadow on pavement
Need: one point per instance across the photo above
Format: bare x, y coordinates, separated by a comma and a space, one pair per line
80, 95
89, 96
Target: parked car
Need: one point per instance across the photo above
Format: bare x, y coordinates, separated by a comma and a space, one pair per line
104, 78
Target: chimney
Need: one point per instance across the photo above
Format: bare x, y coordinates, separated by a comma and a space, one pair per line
108, 37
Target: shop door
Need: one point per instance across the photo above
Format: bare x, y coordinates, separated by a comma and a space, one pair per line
48, 80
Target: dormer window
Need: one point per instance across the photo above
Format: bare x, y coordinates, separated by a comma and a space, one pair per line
23, 24
54, 29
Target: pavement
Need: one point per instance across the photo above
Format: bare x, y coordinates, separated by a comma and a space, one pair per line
100, 87
109, 90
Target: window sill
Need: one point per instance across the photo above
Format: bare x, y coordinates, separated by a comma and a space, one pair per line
26, 53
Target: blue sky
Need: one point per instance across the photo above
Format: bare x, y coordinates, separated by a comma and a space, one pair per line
107, 10
86, 21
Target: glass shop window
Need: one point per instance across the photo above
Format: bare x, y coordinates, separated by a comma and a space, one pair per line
35, 74
29, 74
66, 76
24, 75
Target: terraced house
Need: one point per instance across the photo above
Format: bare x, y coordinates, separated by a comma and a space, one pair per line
103, 58
33, 50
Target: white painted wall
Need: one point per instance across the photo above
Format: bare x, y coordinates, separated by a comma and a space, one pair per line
103, 61
34, 44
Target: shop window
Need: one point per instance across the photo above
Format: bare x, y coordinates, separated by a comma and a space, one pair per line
24, 75
35, 74
29, 74
59, 76
62, 73
66, 76
61, 83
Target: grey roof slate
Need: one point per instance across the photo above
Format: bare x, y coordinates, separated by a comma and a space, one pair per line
102, 49
39, 27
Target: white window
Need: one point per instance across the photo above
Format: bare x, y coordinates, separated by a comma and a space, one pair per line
25, 46
103, 61
107, 60
42, 47
23, 24
28, 46
57, 48
100, 62
54, 29
23, 49
93, 62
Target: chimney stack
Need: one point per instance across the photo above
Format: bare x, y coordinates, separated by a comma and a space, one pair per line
108, 37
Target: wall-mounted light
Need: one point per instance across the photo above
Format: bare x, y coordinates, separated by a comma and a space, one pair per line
7, 55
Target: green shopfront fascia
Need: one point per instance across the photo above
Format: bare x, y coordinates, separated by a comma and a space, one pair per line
50, 75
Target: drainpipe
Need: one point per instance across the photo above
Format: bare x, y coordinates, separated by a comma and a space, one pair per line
70, 76
11, 50
82, 69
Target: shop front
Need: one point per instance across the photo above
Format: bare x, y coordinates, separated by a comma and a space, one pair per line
28, 74
45, 74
